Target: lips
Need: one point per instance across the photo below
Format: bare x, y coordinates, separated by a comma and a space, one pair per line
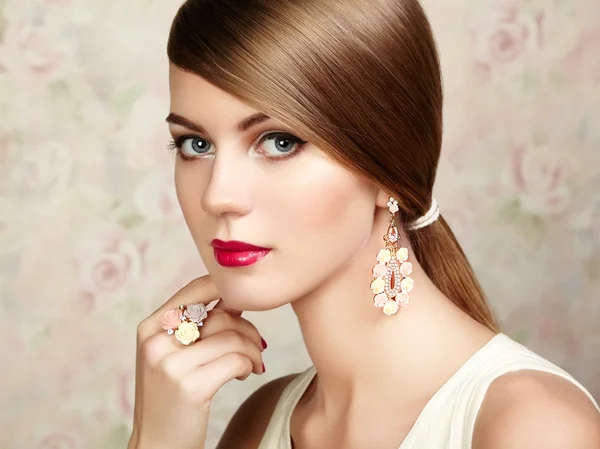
237, 254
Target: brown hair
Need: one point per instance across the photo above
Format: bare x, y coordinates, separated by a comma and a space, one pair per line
361, 79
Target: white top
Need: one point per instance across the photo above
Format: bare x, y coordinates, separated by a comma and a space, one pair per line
448, 419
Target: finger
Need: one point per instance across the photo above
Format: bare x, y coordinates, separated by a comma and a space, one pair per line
200, 290
160, 344
156, 348
219, 321
178, 364
202, 384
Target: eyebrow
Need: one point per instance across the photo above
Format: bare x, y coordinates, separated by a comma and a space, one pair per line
244, 125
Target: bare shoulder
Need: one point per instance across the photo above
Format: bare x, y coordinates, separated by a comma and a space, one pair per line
532, 409
246, 428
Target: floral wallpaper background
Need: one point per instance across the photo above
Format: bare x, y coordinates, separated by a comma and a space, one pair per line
92, 239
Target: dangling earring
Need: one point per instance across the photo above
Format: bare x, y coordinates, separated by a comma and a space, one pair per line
392, 283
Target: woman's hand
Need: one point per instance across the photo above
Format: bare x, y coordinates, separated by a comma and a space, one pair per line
175, 384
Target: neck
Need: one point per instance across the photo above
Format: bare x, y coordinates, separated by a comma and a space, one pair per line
359, 351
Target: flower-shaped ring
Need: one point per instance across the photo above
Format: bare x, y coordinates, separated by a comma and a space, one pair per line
185, 322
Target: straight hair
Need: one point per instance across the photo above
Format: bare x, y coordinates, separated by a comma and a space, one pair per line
361, 79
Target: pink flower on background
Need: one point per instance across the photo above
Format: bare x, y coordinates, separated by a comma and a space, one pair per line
156, 199
540, 179
505, 33
143, 138
45, 164
31, 49
107, 261
56, 441
583, 61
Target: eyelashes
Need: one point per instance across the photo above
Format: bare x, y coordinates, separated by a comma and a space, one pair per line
271, 145
284, 145
184, 145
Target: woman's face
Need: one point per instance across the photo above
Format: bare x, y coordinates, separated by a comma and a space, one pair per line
257, 182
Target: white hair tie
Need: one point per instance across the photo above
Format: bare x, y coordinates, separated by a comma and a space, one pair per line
430, 217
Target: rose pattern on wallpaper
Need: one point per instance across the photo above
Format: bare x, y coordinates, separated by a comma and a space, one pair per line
506, 33
107, 261
540, 179
92, 239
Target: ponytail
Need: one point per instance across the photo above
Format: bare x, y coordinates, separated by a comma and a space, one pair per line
446, 264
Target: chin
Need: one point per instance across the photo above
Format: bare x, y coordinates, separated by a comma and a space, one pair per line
249, 293
250, 288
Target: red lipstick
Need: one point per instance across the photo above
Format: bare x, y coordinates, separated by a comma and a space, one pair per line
237, 254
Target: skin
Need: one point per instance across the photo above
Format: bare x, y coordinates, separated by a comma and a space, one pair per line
325, 226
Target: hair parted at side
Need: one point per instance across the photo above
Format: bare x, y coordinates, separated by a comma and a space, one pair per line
360, 79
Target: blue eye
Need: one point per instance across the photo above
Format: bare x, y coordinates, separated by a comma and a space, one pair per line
274, 145
278, 145
193, 146
190, 147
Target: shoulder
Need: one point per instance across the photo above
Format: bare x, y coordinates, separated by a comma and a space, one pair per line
245, 430
531, 409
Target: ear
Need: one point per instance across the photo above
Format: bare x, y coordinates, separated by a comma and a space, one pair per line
382, 198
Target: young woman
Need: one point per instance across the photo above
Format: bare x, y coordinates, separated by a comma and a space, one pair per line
308, 134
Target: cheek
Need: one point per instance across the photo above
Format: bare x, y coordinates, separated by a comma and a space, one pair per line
330, 203
328, 218
328, 198
190, 184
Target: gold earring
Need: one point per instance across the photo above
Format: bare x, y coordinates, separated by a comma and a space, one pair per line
392, 283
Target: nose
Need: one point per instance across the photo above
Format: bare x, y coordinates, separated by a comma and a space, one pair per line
227, 191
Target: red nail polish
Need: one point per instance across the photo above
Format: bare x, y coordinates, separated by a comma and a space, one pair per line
264, 343
264, 369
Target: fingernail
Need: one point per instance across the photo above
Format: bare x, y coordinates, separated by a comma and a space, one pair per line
264, 369
264, 343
